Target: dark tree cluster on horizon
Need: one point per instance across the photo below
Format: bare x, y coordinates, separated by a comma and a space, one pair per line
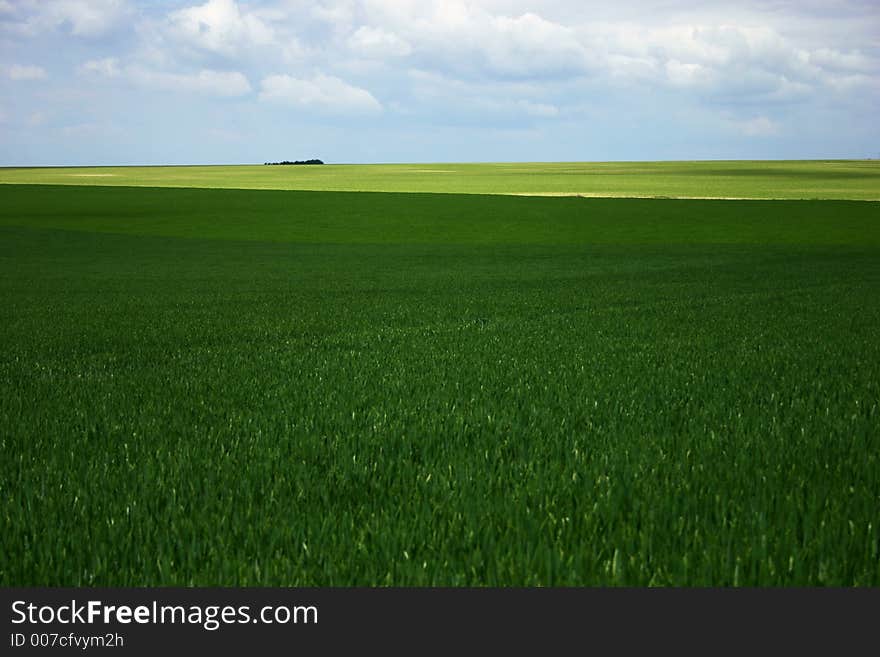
296, 162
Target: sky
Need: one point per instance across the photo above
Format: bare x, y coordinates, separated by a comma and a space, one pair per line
114, 82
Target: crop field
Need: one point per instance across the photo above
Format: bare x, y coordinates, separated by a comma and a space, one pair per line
819, 179
327, 388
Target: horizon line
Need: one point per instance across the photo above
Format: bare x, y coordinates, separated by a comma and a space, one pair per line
423, 162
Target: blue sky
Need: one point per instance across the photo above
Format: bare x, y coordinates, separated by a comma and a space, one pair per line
219, 81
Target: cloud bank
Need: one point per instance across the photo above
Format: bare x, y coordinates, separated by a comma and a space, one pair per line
385, 80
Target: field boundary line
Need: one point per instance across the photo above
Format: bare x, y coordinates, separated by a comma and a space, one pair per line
586, 195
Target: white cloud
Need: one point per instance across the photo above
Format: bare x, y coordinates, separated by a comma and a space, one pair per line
834, 60
82, 18
342, 13
220, 26
631, 68
90, 18
17, 72
465, 38
107, 67
855, 82
376, 42
731, 63
687, 75
320, 92
709, 53
212, 83
464, 101
494, 39
539, 110
531, 45
759, 126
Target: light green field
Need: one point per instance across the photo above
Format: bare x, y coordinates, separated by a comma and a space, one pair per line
839, 179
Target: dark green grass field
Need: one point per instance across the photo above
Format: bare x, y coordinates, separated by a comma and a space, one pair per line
298, 388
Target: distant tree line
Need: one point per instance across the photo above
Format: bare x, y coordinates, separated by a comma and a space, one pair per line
297, 162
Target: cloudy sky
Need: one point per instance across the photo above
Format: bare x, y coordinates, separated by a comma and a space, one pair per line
220, 81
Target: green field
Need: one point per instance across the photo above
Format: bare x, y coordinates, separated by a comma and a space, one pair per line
820, 179
240, 387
